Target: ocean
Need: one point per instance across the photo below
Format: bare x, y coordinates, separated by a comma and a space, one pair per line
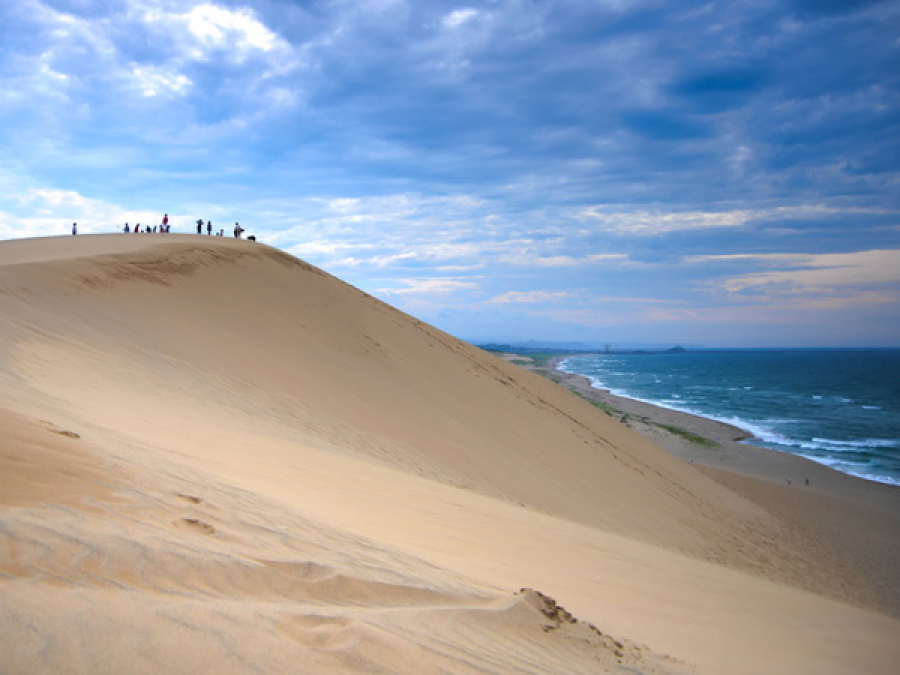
837, 407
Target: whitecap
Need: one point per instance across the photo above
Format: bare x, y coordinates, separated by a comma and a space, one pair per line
859, 443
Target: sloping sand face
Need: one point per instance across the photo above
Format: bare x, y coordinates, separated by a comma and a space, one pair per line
216, 456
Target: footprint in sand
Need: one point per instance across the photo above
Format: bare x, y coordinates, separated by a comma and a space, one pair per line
195, 525
52, 428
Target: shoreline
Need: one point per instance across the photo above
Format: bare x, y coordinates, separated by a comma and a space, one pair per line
642, 416
852, 520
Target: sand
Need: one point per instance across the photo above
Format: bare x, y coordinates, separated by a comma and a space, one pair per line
215, 456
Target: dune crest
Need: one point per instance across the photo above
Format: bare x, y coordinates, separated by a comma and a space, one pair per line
242, 444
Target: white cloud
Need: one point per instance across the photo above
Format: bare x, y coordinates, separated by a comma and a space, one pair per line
458, 17
429, 287
33, 212
152, 81
739, 159
529, 297
647, 223
821, 272
532, 259
237, 30
147, 49
377, 261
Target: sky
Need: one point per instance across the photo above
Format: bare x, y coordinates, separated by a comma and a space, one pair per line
720, 174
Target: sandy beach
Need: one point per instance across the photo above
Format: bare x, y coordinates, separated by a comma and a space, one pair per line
216, 457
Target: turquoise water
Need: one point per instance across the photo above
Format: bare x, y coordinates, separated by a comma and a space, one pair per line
840, 408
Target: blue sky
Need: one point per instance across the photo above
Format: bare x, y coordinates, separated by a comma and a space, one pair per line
720, 174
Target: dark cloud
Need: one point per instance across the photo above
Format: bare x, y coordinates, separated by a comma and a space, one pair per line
724, 88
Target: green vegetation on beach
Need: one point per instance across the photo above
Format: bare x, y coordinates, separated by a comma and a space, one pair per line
542, 363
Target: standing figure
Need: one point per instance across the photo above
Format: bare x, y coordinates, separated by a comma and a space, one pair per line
74, 229
126, 230
208, 228
165, 223
199, 225
238, 230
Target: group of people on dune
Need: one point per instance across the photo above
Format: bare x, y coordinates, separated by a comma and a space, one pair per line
238, 230
165, 227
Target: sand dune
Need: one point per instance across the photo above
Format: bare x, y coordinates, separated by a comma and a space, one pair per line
215, 456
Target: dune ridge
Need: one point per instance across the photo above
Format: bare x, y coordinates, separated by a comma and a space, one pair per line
234, 444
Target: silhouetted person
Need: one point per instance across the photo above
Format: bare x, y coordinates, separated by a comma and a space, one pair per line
74, 229
209, 228
200, 226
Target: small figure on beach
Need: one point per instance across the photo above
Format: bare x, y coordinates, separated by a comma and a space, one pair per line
209, 228
137, 228
126, 229
238, 230
199, 225
165, 223
74, 229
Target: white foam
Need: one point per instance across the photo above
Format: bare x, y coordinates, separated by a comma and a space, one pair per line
859, 443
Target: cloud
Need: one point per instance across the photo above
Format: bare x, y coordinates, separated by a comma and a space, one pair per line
458, 17
526, 257
121, 70
235, 30
429, 287
32, 212
529, 297
819, 273
152, 81
646, 223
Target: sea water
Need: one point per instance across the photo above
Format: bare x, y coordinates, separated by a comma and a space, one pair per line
837, 407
